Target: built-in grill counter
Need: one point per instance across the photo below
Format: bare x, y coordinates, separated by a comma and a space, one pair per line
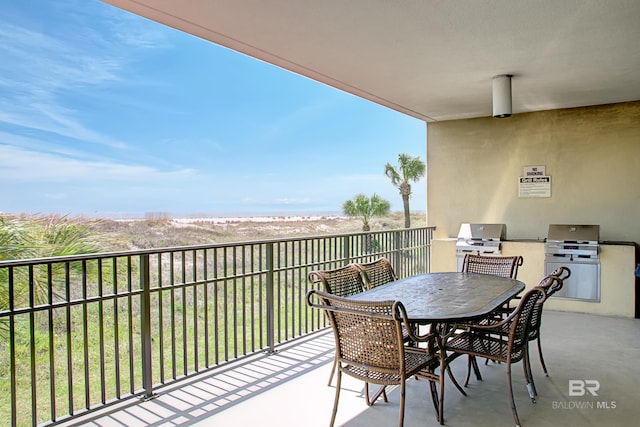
603, 277
479, 239
576, 247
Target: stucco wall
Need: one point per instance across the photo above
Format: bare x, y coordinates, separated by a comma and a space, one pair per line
592, 155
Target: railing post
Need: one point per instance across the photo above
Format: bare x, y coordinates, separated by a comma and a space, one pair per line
429, 243
398, 254
145, 326
270, 300
12, 350
346, 248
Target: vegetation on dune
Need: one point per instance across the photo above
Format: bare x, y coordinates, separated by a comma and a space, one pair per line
23, 237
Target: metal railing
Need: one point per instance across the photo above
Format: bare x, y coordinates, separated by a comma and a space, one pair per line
83, 332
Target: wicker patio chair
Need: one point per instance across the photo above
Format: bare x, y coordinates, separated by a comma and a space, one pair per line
370, 347
488, 340
550, 284
377, 272
342, 282
495, 266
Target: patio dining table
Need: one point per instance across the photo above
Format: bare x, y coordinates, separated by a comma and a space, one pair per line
446, 297
444, 300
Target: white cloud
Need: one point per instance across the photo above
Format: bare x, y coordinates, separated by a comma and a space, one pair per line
43, 67
19, 165
37, 69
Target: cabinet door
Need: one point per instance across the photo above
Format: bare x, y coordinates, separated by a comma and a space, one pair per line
584, 282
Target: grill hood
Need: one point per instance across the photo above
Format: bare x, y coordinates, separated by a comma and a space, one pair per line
485, 232
573, 233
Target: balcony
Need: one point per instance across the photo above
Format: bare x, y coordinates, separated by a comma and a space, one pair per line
220, 335
82, 333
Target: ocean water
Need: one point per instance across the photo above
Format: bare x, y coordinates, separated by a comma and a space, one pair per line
188, 215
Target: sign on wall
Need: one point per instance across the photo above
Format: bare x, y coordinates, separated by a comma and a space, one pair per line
534, 171
534, 183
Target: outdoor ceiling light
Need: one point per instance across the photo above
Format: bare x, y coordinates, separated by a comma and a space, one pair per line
502, 96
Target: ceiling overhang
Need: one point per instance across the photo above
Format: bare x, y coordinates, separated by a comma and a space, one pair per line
433, 60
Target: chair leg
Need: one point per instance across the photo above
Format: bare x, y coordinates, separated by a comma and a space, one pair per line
466, 379
366, 394
335, 402
433, 380
472, 363
476, 369
513, 402
434, 397
455, 382
443, 366
544, 367
528, 375
333, 370
381, 391
402, 394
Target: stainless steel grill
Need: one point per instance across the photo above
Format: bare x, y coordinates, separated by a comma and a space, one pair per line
479, 239
575, 247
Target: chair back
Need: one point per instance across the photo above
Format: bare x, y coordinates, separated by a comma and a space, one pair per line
496, 266
550, 284
561, 274
523, 320
377, 272
368, 334
343, 281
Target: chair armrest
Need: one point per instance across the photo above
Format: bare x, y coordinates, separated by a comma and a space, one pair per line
429, 337
499, 326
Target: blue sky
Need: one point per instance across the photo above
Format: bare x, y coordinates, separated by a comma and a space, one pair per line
102, 111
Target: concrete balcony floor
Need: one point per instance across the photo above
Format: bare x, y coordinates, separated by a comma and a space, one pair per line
289, 388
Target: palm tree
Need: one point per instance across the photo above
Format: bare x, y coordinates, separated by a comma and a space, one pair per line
366, 208
409, 169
